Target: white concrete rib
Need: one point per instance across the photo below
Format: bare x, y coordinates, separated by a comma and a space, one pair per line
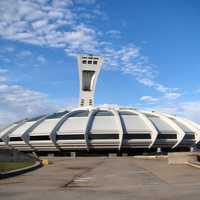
88, 126
4, 135
150, 125
180, 132
61, 122
119, 127
191, 125
117, 120
35, 125
30, 129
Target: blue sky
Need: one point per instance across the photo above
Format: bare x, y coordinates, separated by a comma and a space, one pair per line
151, 51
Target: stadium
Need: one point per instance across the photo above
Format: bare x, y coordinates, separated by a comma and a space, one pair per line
90, 128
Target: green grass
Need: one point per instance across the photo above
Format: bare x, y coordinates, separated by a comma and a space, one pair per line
8, 166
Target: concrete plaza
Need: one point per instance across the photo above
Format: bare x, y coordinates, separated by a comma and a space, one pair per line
90, 178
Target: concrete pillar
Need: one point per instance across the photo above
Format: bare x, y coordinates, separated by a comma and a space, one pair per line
73, 154
159, 150
112, 155
193, 148
50, 155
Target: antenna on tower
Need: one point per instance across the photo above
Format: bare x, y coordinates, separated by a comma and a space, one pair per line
89, 67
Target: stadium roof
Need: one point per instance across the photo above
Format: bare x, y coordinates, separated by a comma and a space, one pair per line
101, 128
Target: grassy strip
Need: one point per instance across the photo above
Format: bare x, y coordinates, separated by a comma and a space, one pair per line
8, 166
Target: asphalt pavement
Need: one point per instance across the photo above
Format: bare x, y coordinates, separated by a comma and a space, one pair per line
94, 178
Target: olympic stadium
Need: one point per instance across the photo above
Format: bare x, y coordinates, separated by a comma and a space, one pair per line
100, 128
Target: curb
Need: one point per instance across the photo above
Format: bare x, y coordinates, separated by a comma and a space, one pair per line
193, 164
151, 157
20, 171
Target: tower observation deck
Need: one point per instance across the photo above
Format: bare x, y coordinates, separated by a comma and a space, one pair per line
89, 68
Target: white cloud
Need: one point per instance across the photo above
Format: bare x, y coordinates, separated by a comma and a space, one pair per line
18, 102
39, 24
57, 24
3, 77
149, 99
56, 14
191, 110
172, 95
147, 82
129, 60
116, 34
187, 109
161, 88
21, 57
86, 1
41, 59
51, 23
2, 71
81, 39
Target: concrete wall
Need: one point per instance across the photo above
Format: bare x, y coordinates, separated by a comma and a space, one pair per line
14, 156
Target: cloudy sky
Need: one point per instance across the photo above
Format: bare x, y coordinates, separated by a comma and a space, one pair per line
151, 51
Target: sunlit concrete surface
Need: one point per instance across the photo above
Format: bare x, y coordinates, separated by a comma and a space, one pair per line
105, 178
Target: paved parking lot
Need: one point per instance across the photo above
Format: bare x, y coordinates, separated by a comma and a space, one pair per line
105, 178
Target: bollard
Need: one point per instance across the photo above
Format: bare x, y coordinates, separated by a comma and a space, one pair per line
45, 162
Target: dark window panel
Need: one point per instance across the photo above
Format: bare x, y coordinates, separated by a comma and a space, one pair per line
137, 136
126, 113
35, 118
150, 116
81, 114
104, 113
15, 139
167, 136
90, 102
103, 136
39, 137
70, 137
189, 137
57, 115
